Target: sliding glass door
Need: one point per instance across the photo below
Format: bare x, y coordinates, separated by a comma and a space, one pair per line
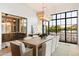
65, 25
52, 27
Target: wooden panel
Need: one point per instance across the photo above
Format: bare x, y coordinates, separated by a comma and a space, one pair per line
15, 49
12, 36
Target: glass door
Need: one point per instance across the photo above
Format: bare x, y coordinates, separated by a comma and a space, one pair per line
62, 28
74, 30
52, 27
65, 25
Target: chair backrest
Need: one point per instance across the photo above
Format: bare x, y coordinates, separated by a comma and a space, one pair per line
47, 48
19, 47
27, 38
49, 37
35, 36
54, 43
22, 48
15, 49
57, 38
42, 50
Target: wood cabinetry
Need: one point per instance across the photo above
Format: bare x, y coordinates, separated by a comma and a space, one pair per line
12, 27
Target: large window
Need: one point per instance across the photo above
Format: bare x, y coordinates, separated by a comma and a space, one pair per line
65, 25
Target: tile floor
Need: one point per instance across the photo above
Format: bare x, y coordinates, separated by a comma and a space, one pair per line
66, 49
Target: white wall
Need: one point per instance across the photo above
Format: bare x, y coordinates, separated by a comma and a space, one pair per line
19, 10
33, 21
0, 32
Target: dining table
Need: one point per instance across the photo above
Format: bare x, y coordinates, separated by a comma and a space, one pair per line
35, 43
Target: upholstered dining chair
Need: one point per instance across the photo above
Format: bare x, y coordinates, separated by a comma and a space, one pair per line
46, 49
28, 37
18, 49
49, 37
54, 43
57, 42
35, 36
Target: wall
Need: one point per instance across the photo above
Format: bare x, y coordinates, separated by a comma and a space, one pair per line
19, 10
0, 32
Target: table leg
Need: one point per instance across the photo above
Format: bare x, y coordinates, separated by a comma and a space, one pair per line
35, 51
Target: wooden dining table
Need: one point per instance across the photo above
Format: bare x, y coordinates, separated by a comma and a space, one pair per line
35, 43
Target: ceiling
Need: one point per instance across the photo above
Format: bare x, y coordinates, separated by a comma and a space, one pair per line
50, 6
36, 6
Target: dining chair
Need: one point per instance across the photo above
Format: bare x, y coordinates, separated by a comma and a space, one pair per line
46, 48
49, 37
18, 49
54, 43
57, 42
35, 36
42, 49
28, 37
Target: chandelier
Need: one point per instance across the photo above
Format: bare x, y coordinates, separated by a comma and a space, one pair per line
41, 14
